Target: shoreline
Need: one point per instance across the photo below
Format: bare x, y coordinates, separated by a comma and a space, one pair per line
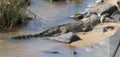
91, 38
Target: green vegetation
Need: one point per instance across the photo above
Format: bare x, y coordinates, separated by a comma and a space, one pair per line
12, 13
76, 12
118, 3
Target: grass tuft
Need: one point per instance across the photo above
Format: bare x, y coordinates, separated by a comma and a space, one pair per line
12, 13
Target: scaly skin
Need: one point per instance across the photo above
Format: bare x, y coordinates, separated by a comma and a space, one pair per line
55, 31
65, 28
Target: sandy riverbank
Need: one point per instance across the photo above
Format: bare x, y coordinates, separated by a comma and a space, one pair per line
91, 38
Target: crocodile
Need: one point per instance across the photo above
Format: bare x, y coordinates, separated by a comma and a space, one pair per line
65, 28
55, 31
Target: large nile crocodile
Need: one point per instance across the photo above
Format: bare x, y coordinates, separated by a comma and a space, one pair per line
65, 28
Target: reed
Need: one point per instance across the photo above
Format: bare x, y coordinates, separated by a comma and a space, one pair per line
12, 13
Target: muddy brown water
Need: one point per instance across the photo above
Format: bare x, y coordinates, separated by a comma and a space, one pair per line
54, 13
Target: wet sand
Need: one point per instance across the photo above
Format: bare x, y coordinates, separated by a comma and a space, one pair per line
90, 38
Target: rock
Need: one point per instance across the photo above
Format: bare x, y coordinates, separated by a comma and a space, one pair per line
116, 16
54, 52
115, 44
109, 27
99, 1
109, 47
99, 30
66, 38
108, 9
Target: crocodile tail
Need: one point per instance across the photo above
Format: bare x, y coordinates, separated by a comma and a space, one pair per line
27, 36
22, 37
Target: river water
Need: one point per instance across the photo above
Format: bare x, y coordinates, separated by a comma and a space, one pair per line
54, 13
